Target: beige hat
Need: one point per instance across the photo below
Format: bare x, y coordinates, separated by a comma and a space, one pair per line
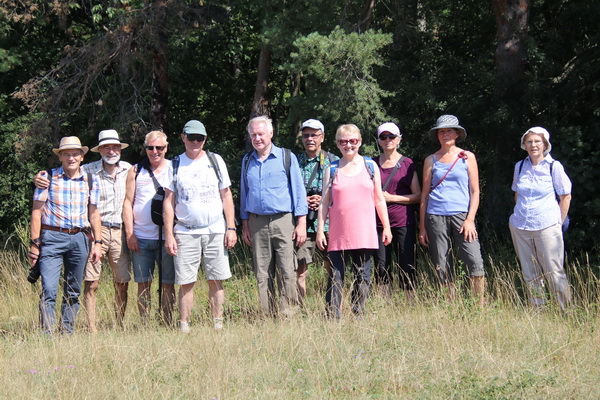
70, 143
109, 136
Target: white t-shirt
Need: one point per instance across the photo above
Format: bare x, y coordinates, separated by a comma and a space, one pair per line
143, 227
198, 204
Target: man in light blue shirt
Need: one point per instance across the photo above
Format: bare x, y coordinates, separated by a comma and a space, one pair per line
273, 210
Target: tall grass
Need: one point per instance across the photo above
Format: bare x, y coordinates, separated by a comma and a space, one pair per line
429, 349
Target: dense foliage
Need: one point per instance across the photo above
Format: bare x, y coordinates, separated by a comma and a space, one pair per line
74, 68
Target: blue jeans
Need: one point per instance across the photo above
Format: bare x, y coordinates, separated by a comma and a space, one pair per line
60, 249
146, 259
360, 261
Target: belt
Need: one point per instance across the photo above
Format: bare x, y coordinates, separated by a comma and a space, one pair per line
111, 225
70, 231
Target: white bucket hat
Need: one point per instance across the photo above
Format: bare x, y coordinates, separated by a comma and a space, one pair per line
539, 131
109, 136
447, 121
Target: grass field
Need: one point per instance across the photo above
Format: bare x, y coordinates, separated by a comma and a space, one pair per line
427, 350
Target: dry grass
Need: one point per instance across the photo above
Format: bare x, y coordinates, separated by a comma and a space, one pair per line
427, 350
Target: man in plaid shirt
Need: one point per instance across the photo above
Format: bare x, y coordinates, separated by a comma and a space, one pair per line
60, 233
111, 174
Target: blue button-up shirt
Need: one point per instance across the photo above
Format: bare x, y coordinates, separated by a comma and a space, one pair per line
265, 189
536, 206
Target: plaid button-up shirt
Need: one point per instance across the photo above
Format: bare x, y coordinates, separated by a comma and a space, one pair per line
66, 200
112, 191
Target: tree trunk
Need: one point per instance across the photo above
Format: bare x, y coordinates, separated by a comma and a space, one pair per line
260, 103
509, 96
160, 76
512, 18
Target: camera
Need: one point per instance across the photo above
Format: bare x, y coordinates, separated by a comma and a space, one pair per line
34, 273
312, 214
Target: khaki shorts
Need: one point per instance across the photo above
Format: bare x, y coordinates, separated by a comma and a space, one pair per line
208, 249
114, 249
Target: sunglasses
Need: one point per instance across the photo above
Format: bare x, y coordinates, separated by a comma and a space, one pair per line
158, 148
344, 142
386, 136
311, 135
195, 138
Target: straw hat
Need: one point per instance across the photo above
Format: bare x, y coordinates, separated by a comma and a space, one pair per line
70, 143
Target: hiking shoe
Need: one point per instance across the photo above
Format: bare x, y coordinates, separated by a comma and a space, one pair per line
184, 327
218, 324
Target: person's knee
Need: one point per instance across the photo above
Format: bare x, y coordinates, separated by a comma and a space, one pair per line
91, 287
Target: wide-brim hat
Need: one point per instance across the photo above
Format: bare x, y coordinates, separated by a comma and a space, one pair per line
70, 143
540, 131
447, 121
109, 136
314, 124
389, 127
194, 127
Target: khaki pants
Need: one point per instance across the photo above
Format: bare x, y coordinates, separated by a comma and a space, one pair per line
541, 254
273, 257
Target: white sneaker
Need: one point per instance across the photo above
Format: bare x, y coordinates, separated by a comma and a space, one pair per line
218, 324
184, 327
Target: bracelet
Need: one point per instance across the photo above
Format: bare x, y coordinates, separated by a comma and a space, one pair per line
35, 242
231, 229
98, 242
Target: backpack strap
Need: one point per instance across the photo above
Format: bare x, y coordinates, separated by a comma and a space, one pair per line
370, 166
521, 166
213, 162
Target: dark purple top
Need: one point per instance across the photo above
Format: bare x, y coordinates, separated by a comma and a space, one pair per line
399, 214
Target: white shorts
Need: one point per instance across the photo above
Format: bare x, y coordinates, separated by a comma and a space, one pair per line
208, 249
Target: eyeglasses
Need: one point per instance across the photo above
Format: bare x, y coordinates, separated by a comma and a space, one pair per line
387, 136
158, 148
344, 142
195, 138
311, 135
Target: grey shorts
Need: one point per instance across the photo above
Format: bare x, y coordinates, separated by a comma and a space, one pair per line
307, 251
442, 231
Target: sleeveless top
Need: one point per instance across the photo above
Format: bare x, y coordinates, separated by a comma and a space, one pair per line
452, 196
352, 214
399, 214
143, 227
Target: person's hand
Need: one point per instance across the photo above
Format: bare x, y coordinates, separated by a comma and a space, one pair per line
34, 254
171, 245
133, 244
230, 239
389, 198
386, 236
96, 253
41, 180
313, 201
299, 235
469, 231
423, 238
321, 241
246, 232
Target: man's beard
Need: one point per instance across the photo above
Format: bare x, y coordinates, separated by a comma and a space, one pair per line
111, 160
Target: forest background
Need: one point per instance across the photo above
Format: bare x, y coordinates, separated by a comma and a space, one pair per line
501, 66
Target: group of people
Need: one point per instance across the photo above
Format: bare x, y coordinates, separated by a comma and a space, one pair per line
352, 208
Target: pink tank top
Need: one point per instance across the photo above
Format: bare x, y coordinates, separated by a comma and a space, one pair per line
352, 214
